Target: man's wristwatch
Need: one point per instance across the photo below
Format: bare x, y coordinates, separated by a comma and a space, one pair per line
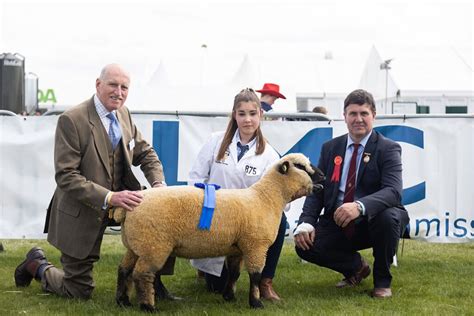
359, 208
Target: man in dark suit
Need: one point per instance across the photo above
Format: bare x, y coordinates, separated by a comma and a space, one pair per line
362, 206
96, 143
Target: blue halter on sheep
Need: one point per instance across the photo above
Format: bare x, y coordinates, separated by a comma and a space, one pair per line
245, 224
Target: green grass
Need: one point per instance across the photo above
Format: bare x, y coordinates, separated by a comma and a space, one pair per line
431, 279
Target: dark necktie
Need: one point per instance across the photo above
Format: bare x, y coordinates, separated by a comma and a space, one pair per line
114, 130
350, 188
243, 150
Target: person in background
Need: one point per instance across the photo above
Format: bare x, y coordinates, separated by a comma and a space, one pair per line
269, 94
236, 159
96, 144
361, 200
320, 109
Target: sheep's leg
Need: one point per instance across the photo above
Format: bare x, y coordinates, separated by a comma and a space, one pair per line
125, 270
254, 259
161, 293
144, 276
233, 266
254, 292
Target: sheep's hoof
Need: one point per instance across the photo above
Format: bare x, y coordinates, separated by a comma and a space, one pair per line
256, 304
123, 301
148, 308
228, 296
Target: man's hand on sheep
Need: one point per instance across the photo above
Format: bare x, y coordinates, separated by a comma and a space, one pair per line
126, 199
304, 236
346, 213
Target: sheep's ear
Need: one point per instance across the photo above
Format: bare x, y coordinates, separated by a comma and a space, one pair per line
284, 167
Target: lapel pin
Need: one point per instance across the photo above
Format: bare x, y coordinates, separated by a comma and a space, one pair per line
366, 157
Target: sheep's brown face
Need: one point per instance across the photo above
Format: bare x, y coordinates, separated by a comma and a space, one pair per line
318, 179
317, 176
312, 178
311, 182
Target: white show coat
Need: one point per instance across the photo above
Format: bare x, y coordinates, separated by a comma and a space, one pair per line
229, 174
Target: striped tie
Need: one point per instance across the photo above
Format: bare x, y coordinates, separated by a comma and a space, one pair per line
349, 230
351, 176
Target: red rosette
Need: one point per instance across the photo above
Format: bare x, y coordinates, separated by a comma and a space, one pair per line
336, 174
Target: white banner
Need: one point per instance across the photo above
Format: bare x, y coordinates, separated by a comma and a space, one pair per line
437, 166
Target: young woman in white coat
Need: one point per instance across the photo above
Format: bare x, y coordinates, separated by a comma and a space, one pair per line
236, 159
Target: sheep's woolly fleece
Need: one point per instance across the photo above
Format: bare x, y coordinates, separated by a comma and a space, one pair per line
245, 221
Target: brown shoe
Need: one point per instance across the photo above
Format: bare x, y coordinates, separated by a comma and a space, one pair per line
266, 290
381, 292
26, 271
355, 280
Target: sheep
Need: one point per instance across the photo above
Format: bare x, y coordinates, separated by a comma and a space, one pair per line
244, 226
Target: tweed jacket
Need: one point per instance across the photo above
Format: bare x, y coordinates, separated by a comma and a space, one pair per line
83, 175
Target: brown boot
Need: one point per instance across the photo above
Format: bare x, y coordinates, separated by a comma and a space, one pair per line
266, 290
355, 280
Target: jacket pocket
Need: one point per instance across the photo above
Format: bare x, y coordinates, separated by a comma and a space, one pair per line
71, 209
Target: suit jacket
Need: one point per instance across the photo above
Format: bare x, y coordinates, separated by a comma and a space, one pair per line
379, 181
83, 175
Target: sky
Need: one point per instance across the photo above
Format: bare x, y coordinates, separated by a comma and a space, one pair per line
201, 45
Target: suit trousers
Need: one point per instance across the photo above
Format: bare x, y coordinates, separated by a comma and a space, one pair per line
333, 250
273, 254
75, 280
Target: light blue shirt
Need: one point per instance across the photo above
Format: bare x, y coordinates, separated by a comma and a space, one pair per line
102, 112
345, 167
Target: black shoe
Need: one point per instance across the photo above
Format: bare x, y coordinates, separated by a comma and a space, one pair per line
214, 283
161, 293
26, 271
